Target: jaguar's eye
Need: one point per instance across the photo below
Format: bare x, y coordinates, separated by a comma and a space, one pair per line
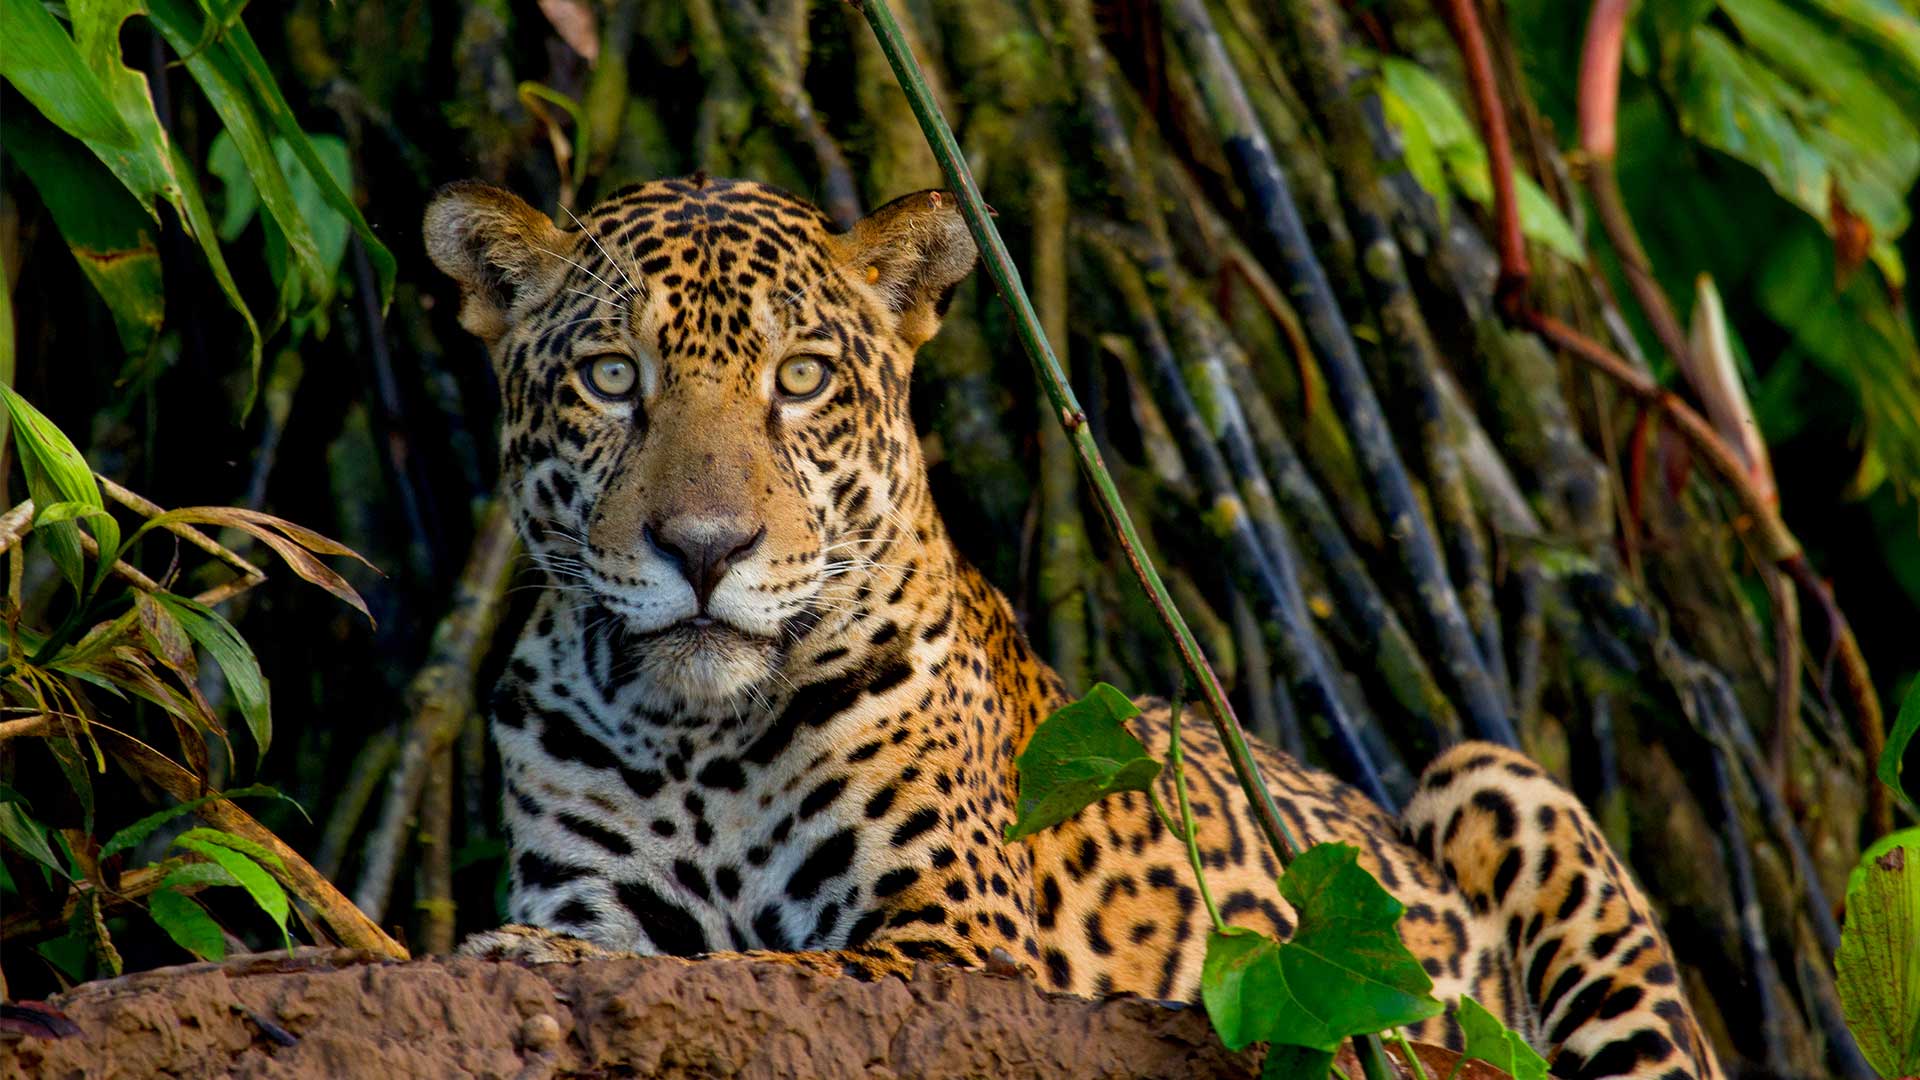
612, 376
802, 376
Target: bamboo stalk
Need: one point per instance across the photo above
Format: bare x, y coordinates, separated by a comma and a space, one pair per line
1063, 545
1266, 562
1278, 221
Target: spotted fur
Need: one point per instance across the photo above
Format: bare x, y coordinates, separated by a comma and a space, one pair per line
765, 706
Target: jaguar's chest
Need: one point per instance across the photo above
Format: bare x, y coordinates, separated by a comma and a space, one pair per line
771, 830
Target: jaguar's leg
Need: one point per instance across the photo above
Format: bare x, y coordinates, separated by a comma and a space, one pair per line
1591, 959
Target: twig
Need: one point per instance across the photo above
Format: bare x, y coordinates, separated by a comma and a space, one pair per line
350, 802
25, 726
1510, 292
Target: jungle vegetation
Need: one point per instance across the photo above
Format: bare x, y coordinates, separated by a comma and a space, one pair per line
1506, 369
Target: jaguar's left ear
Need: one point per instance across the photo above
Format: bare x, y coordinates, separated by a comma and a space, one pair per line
915, 250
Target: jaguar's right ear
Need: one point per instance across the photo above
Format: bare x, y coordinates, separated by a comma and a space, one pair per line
501, 251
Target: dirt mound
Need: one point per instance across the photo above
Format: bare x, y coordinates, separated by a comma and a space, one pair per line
329, 1013
336, 1013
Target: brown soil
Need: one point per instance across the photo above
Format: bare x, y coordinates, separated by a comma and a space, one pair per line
331, 1013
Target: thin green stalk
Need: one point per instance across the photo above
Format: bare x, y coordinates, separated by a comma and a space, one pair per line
1006, 278
1177, 764
1399, 1036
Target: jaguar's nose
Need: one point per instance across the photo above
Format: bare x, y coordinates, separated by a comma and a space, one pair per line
704, 548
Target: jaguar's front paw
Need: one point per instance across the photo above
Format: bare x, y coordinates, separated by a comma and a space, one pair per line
532, 945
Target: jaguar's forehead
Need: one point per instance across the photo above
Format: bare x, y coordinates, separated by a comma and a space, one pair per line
709, 265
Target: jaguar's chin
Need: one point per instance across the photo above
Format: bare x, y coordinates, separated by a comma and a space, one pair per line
706, 662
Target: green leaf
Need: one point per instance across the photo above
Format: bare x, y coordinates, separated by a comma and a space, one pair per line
1854, 334
188, 924
1797, 103
1540, 220
250, 848
28, 837
236, 660
228, 91
78, 82
1878, 965
1489, 1040
1344, 972
57, 473
260, 885
111, 236
329, 169
1285, 1062
1417, 101
199, 875
1893, 757
1078, 756
137, 832
65, 511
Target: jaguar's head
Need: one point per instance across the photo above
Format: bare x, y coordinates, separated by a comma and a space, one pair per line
705, 424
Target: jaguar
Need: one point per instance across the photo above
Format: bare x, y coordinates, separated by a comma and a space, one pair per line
763, 706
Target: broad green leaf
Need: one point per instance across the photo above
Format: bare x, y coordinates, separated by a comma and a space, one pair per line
78, 82
1489, 1040
57, 473
1798, 106
111, 236
1878, 965
240, 200
1893, 757
256, 851
1857, 877
1344, 971
260, 885
1540, 220
133, 834
330, 229
236, 660
1422, 157
1854, 334
188, 924
1078, 756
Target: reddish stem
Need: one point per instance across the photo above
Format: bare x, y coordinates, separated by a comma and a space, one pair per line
1511, 291
1600, 77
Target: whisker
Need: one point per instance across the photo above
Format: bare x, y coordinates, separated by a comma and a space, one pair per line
608, 255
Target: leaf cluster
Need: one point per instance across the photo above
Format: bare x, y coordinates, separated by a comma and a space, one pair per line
112, 636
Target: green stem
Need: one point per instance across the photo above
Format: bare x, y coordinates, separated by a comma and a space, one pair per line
1176, 764
1399, 1036
1006, 278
